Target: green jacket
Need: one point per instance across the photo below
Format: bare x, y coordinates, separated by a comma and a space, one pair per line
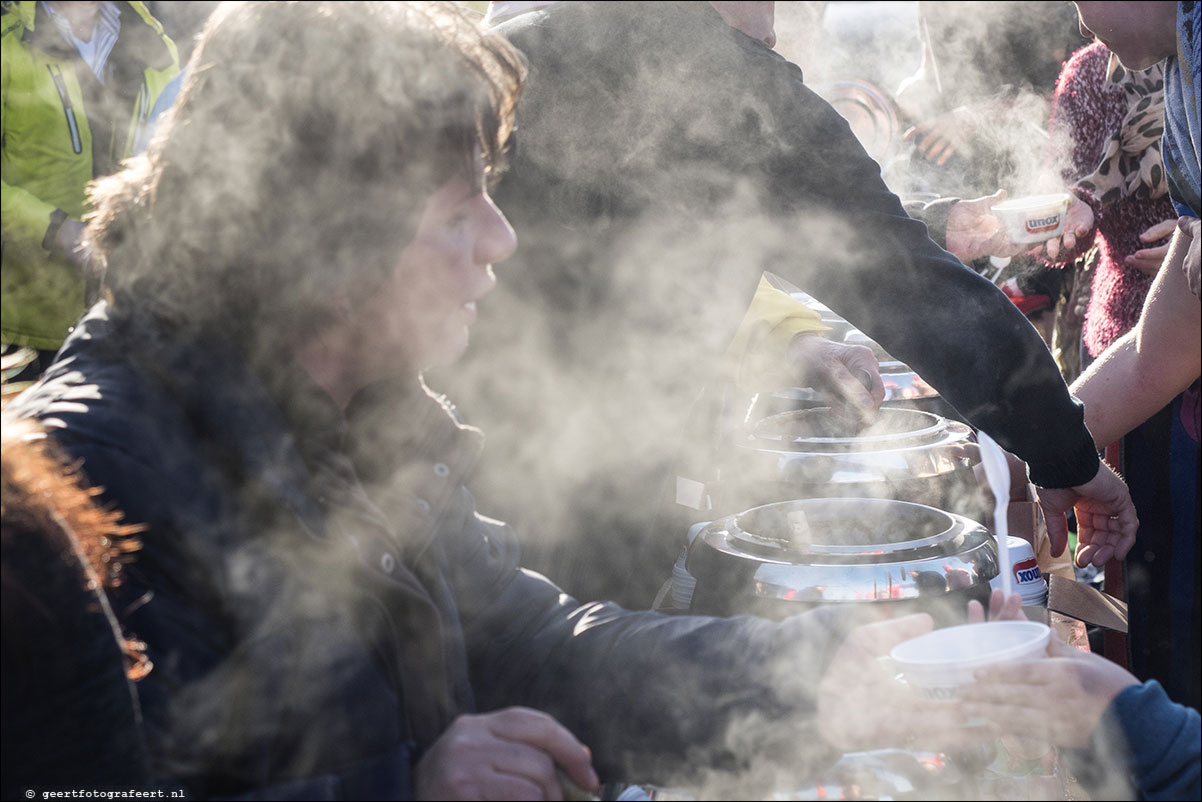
56, 140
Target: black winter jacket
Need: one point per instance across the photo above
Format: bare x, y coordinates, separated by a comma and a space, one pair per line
321, 597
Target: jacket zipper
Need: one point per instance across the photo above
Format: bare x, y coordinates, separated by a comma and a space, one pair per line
57, 74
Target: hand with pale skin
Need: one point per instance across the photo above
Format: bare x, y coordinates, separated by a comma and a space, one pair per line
1106, 520
973, 232
938, 138
515, 753
1191, 228
862, 705
848, 375
1067, 693
1149, 260
1078, 222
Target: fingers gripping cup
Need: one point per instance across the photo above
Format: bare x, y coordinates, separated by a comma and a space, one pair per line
938, 663
1034, 219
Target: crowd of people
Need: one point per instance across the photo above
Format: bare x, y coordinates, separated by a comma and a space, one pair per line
241, 557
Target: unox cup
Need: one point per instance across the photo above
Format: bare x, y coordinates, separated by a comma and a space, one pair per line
1035, 219
938, 663
1028, 581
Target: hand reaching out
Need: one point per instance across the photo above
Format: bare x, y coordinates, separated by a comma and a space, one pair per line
849, 375
1106, 520
1067, 692
862, 705
1078, 222
515, 753
1149, 260
938, 138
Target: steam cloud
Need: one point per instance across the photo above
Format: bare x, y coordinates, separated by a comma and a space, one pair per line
541, 460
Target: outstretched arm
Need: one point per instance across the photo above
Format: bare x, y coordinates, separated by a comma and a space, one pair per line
1154, 362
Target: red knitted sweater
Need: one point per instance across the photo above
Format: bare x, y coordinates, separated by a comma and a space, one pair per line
1090, 111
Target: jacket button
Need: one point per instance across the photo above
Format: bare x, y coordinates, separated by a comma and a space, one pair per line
387, 562
441, 470
425, 505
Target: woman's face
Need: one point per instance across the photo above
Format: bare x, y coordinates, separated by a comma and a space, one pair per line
420, 317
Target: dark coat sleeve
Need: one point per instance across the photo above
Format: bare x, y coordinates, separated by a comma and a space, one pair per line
950, 324
681, 118
650, 694
933, 214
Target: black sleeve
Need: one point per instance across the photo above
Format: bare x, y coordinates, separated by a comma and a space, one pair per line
652, 695
708, 150
882, 271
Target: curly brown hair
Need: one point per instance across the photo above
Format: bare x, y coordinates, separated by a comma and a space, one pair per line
294, 165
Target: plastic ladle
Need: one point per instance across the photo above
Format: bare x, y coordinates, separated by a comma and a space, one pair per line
997, 473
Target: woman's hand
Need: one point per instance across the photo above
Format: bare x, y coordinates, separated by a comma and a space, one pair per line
1078, 222
1067, 693
938, 138
1149, 260
515, 753
862, 705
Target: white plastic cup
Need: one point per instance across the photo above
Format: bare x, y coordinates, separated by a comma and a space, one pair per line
1033, 219
1027, 581
938, 663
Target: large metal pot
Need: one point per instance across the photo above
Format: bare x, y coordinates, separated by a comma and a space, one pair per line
783, 558
905, 454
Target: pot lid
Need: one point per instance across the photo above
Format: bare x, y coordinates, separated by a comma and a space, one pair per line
840, 529
817, 430
848, 549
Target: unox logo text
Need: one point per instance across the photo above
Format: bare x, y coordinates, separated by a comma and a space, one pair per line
1027, 571
1040, 225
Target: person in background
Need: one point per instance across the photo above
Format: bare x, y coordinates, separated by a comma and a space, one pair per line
977, 106
666, 159
1113, 121
329, 616
1156, 364
79, 81
1121, 207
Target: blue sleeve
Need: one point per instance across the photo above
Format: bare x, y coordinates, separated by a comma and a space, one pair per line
1164, 740
1181, 146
